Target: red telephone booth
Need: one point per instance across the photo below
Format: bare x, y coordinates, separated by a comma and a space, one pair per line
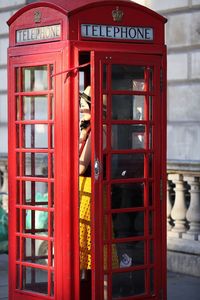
87, 151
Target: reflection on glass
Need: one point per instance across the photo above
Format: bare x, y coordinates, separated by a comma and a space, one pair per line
128, 107
150, 108
105, 77
35, 78
18, 192
18, 277
127, 195
130, 254
51, 77
150, 165
36, 136
35, 193
36, 221
52, 284
104, 103
52, 194
51, 107
150, 69
127, 165
126, 77
128, 224
36, 164
150, 222
35, 280
150, 194
151, 252
128, 137
18, 164
35, 251
17, 108
17, 76
35, 108
152, 281
17, 136
128, 284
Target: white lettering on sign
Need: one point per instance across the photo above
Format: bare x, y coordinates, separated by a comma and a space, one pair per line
117, 32
38, 33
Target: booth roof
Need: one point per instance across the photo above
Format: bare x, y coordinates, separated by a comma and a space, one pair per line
70, 5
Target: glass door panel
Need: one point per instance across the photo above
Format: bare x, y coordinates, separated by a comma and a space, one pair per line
127, 96
35, 179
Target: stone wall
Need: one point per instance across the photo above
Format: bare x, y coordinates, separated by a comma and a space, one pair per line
183, 42
7, 9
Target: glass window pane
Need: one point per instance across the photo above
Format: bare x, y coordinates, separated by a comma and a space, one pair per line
105, 77
151, 251
35, 78
36, 222
128, 137
127, 165
35, 193
17, 76
128, 224
128, 107
35, 108
35, 280
36, 164
128, 284
18, 115
36, 136
126, 77
35, 251
129, 254
127, 195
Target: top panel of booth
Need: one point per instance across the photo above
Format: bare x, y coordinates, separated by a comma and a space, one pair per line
57, 20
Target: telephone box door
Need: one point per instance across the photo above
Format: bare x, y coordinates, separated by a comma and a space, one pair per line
128, 214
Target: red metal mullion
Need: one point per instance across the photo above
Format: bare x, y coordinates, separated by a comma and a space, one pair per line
38, 179
133, 93
33, 93
35, 266
34, 122
109, 149
33, 208
31, 236
29, 150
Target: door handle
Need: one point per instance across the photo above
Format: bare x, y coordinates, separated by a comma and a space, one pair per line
96, 169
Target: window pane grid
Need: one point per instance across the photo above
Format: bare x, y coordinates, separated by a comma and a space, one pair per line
35, 184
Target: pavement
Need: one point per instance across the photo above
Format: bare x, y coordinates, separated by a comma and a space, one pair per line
179, 286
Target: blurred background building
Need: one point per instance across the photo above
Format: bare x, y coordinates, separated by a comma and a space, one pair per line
183, 130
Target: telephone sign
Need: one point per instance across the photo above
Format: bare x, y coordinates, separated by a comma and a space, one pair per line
116, 32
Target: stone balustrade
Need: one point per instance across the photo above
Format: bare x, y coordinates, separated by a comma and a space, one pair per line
183, 206
183, 222
4, 183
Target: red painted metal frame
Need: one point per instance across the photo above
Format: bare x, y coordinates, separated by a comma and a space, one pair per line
64, 54
157, 207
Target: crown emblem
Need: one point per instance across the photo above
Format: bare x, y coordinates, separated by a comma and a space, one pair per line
117, 14
37, 16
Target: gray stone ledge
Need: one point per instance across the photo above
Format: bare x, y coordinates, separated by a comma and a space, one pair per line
184, 167
183, 246
183, 263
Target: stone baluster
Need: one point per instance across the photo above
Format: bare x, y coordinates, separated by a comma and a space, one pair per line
4, 188
169, 206
193, 212
178, 212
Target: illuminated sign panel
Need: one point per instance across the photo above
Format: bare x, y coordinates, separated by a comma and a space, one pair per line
116, 32
38, 33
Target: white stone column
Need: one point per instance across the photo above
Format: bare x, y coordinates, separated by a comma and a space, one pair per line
169, 206
178, 212
193, 212
4, 188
